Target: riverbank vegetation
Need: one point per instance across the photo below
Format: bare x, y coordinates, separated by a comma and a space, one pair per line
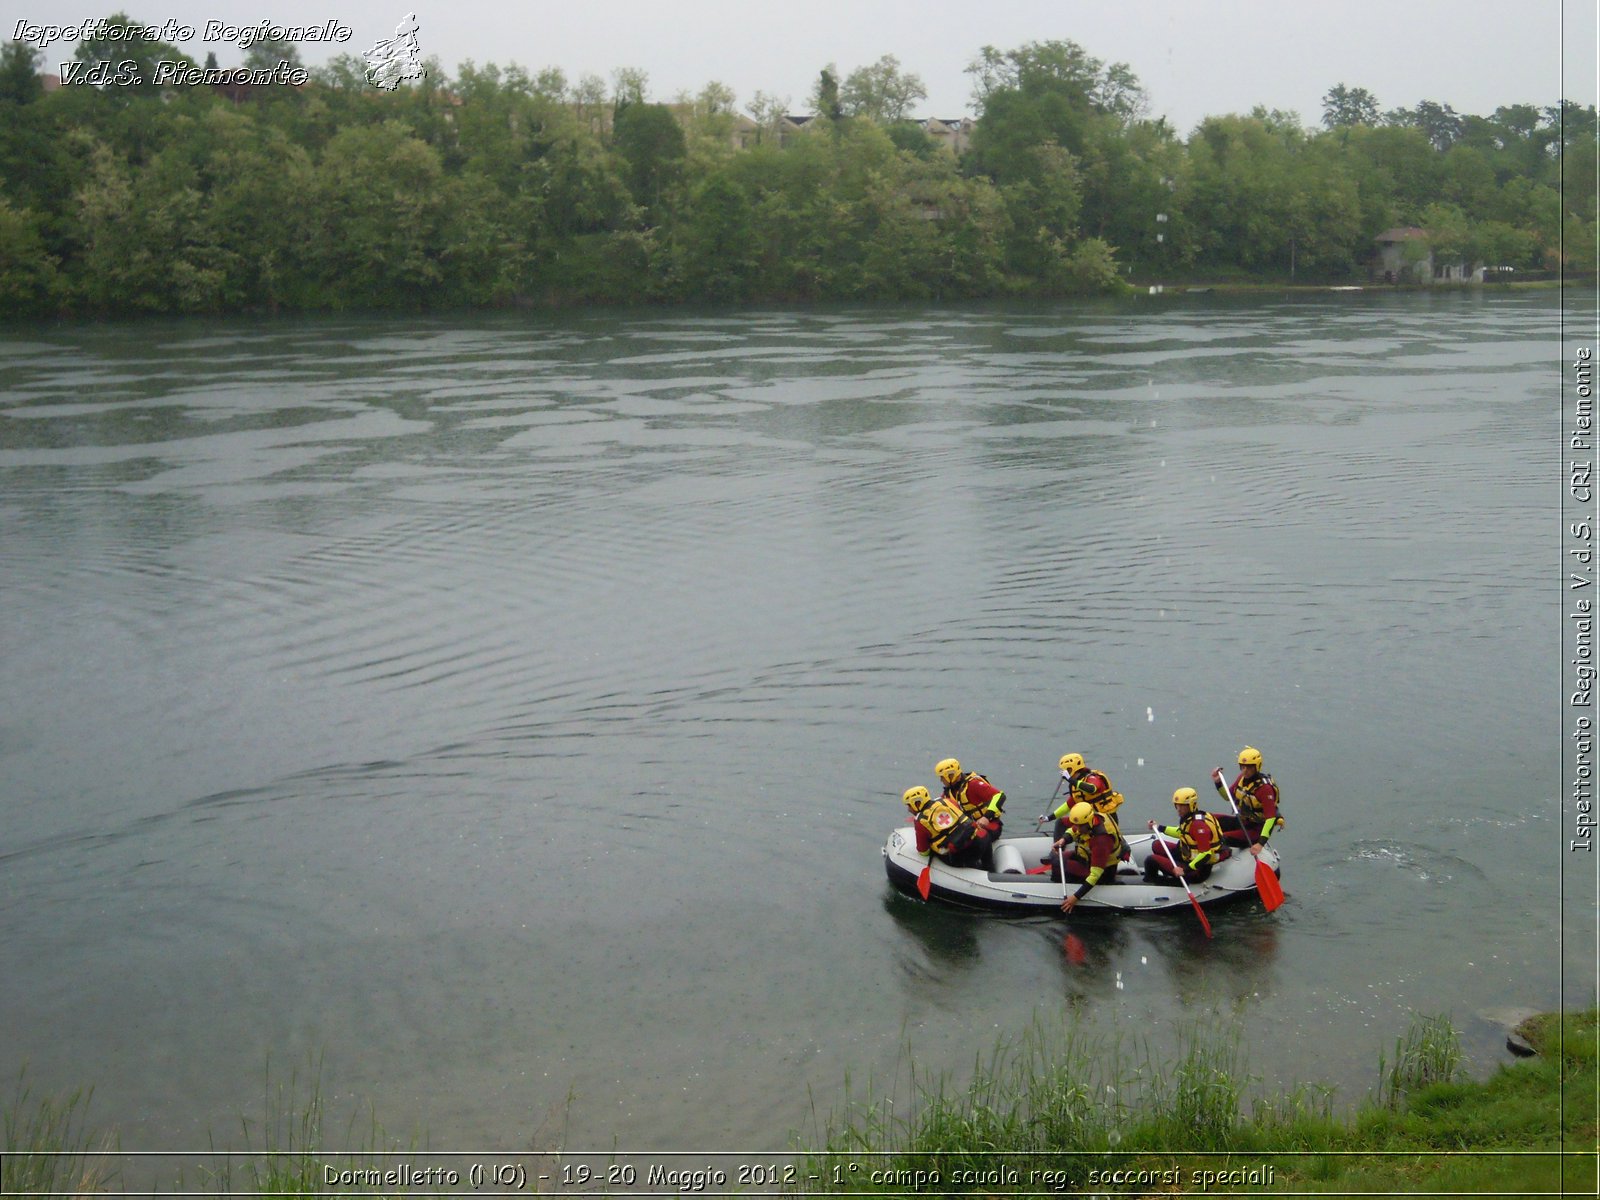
1052, 1111
1049, 1110
494, 186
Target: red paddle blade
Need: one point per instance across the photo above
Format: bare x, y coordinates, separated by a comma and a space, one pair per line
925, 881
1200, 912
1269, 887
1077, 953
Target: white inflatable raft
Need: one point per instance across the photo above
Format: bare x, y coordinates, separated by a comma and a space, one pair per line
1010, 888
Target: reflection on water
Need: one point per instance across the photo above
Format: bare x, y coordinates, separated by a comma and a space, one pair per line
512, 709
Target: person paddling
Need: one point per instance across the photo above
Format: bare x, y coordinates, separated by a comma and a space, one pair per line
1084, 784
1195, 852
1256, 794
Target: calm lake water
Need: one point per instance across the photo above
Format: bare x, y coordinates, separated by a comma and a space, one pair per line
511, 710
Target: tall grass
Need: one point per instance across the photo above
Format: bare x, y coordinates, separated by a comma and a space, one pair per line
1429, 1053
284, 1152
48, 1147
1052, 1099
1047, 1106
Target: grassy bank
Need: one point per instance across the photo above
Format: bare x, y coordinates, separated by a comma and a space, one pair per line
1049, 1112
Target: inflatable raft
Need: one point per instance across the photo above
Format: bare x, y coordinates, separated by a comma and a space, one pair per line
1010, 888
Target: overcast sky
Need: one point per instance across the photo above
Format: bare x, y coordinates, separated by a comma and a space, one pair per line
1194, 57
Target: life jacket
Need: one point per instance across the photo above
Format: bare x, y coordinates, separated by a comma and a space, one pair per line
958, 792
948, 825
1189, 839
1244, 794
1096, 788
1082, 834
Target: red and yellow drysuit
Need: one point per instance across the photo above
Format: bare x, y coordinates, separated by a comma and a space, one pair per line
1199, 841
953, 834
1096, 849
1257, 798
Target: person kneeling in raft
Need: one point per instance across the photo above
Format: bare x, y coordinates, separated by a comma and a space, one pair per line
1199, 840
1096, 848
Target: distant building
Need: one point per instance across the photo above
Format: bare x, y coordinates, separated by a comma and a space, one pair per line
953, 133
790, 125
1405, 256
745, 132
742, 131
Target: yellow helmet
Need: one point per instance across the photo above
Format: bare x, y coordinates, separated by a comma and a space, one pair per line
915, 798
948, 770
1081, 813
1250, 757
1071, 762
1186, 798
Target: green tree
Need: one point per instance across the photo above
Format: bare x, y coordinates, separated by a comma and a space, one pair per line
254, 182
389, 231
1574, 169
825, 100
147, 247
714, 251
767, 111
1042, 210
1467, 178
629, 86
550, 84
1128, 177
709, 117
1449, 233
19, 74
580, 188
1342, 106
881, 92
1501, 244
1041, 93
1399, 163
342, 73
588, 99
139, 55
1057, 67
651, 144
43, 155
1441, 124
266, 53
1264, 197
30, 283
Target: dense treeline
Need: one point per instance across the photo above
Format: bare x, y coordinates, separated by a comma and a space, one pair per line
497, 186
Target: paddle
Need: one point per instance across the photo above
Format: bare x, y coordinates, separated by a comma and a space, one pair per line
1039, 824
1198, 911
1168, 852
1072, 943
1266, 879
